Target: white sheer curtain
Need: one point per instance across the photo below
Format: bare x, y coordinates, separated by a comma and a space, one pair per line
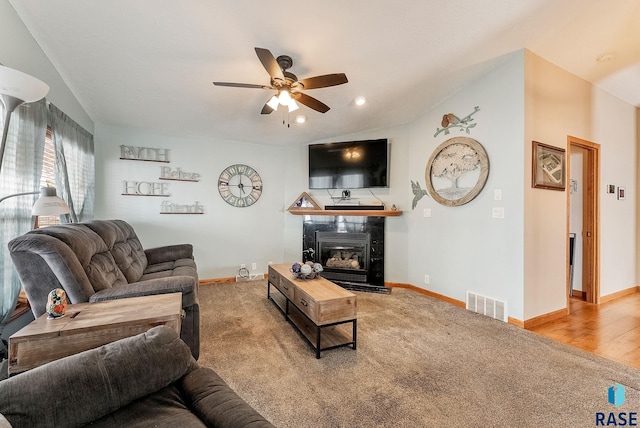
20, 172
75, 165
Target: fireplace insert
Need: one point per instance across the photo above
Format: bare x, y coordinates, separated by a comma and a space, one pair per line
350, 249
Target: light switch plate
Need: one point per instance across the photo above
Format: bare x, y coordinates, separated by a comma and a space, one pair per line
498, 212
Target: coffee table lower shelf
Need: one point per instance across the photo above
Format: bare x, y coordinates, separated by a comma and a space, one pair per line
320, 337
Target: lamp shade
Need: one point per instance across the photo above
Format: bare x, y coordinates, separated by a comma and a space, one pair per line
20, 85
49, 203
273, 102
285, 97
293, 106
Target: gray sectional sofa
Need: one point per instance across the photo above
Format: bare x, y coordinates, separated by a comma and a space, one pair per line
149, 380
104, 260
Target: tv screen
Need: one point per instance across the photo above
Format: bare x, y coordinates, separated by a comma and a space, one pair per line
349, 165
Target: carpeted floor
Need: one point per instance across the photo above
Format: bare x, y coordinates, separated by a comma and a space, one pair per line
420, 362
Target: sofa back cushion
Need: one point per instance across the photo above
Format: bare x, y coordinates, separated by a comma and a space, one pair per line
124, 245
92, 253
70, 256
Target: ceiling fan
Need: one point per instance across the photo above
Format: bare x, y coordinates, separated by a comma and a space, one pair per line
287, 84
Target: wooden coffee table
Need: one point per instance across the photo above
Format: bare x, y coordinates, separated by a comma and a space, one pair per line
90, 325
317, 308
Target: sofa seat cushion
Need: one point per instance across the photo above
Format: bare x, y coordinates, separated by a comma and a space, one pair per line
180, 267
164, 408
176, 284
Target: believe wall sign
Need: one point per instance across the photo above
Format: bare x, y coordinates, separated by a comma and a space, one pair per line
150, 188
166, 173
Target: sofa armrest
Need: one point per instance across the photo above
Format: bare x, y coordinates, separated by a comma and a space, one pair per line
81, 388
217, 405
169, 253
173, 284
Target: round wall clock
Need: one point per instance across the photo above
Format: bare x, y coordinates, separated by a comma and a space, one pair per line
240, 185
457, 171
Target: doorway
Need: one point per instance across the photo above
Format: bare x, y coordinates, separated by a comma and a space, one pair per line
583, 248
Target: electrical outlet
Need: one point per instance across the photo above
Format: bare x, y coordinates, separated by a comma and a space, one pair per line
242, 266
254, 266
269, 263
426, 212
426, 279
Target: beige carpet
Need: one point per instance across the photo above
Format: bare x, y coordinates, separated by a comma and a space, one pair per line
420, 362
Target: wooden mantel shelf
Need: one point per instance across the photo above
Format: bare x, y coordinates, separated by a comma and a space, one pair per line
365, 213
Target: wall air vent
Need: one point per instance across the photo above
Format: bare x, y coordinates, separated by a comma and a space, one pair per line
487, 306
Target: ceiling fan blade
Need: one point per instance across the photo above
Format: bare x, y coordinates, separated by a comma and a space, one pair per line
310, 102
270, 64
324, 81
242, 85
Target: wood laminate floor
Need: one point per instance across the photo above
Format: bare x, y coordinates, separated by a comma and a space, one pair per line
610, 329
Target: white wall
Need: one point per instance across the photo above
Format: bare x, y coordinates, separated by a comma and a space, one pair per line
223, 237
19, 50
555, 107
464, 248
614, 128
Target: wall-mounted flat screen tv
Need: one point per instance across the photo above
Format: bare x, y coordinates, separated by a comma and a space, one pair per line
349, 165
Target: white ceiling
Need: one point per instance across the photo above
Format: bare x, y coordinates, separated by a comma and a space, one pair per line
150, 64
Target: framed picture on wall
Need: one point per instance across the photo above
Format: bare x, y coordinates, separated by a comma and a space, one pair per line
621, 196
549, 167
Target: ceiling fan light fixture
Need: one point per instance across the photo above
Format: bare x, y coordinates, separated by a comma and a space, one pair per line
287, 85
293, 106
273, 102
285, 98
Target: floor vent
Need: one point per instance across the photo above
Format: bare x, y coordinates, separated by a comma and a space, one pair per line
487, 306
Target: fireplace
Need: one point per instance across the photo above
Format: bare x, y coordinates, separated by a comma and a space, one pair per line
343, 256
350, 249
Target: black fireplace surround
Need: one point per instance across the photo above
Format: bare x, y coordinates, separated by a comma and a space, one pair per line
350, 249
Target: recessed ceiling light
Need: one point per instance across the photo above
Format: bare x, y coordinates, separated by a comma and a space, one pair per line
607, 56
359, 101
301, 119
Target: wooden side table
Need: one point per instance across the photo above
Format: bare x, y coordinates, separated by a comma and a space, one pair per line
90, 325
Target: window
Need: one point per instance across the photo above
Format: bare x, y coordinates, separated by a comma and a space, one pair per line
48, 176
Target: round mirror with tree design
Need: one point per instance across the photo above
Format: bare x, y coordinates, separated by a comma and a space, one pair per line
457, 171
